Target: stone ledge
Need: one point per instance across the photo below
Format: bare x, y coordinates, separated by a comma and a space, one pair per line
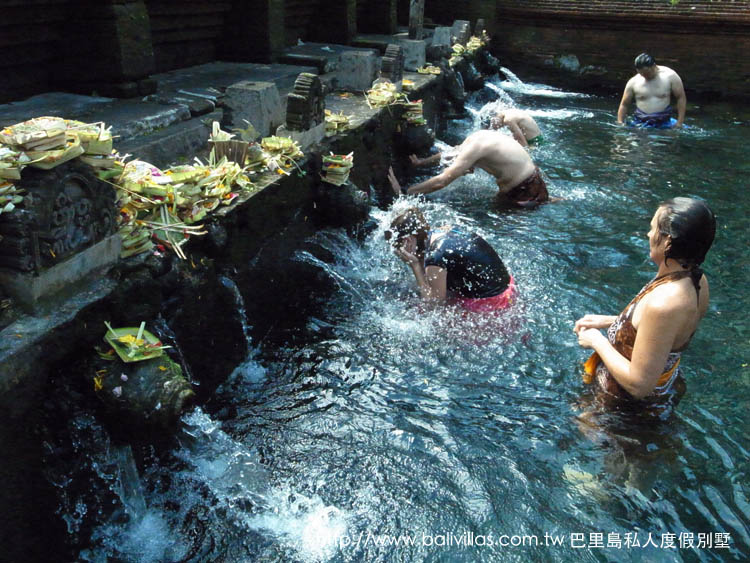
29, 290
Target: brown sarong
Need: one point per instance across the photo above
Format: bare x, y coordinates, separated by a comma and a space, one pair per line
532, 191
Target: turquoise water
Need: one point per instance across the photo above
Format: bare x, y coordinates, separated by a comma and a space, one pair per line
398, 423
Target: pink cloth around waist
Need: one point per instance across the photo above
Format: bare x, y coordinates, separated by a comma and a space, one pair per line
495, 303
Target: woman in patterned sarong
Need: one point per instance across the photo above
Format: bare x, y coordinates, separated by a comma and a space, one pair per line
637, 363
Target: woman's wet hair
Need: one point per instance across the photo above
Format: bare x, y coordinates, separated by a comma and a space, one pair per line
691, 225
644, 60
409, 222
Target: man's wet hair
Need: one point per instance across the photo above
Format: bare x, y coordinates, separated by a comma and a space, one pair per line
644, 60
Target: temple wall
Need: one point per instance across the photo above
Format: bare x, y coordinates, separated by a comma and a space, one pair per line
186, 32
31, 33
112, 46
592, 44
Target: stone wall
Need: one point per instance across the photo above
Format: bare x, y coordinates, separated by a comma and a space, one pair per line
299, 18
31, 33
186, 32
592, 44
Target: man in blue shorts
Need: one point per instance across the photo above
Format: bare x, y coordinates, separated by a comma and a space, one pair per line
652, 89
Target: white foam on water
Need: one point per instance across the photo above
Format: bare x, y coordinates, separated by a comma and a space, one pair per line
515, 84
305, 524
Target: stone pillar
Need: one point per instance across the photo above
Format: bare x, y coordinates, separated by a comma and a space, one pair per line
357, 70
257, 102
416, 19
414, 53
442, 37
254, 31
480, 28
461, 31
112, 52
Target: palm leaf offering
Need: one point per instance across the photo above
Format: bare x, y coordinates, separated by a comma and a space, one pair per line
474, 44
336, 122
413, 113
134, 344
336, 168
10, 196
158, 208
224, 146
95, 138
383, 94
428, 69
281, 153
38, 133
458, 53
407, 85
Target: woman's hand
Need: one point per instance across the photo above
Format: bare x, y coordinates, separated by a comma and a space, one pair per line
416, 162
588, 337
406, 256
593, 321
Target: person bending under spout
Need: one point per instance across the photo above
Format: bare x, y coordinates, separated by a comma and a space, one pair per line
450, 263
652, 88
636, 363
519, 180
523, 127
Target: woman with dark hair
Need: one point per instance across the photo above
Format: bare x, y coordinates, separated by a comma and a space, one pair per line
639, 357
449, 262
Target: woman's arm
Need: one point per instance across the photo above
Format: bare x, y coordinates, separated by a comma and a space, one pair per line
594, 321
654, 339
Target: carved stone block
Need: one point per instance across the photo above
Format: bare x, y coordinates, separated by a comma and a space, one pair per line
67, 210
305, 105
392, 65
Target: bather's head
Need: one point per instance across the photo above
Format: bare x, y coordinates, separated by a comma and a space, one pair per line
691, 226
409, 228
684, 230
645, 65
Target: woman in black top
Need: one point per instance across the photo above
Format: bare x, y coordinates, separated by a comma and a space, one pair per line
452, 263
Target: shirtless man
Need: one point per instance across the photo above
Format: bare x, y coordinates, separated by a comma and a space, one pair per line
518, 179
652, 88
521, 125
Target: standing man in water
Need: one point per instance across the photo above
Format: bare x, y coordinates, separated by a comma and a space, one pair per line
652, 88
519, 180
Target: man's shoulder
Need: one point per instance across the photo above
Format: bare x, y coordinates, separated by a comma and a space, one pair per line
667, 72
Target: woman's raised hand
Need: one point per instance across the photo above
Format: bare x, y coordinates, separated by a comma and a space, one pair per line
593, 321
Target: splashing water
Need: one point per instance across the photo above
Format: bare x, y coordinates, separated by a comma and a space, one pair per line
398, 420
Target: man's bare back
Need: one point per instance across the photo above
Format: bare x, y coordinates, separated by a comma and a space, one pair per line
521, 125
497, 154
518, 178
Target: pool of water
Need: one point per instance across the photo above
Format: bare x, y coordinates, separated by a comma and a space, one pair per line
402, 433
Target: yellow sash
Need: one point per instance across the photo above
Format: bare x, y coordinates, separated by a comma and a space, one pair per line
590, 365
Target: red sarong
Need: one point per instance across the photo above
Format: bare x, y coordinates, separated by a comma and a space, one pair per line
495, 303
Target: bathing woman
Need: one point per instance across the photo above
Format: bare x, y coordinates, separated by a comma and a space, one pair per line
639, 357
450, 263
